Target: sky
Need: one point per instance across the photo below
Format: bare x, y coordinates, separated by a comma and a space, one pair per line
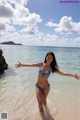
40, 22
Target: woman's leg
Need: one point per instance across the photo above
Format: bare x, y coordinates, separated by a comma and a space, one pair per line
39, 96
46, 92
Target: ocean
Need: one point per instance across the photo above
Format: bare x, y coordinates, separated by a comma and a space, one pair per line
17, 85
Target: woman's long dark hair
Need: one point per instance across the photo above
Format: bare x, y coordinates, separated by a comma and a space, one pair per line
54, 65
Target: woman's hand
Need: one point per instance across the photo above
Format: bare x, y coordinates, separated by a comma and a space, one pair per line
76, 76
18, 65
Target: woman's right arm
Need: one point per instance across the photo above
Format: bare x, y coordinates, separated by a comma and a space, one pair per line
29, 65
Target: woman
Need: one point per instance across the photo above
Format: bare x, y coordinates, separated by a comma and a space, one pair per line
45, 69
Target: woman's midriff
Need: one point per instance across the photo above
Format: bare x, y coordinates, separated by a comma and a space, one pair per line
42, 81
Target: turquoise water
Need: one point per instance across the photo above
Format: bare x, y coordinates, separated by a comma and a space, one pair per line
17, 85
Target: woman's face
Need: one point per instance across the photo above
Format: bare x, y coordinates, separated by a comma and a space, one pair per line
49, 58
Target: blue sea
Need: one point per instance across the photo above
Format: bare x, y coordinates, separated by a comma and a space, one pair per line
17, 85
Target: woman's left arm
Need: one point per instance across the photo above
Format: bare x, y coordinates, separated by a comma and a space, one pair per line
68, 74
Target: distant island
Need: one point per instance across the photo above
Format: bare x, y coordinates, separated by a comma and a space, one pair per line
10, 43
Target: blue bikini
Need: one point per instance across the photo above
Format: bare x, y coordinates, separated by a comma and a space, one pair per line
47, 73
44, 74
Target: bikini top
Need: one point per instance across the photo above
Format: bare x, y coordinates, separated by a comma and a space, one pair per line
47, 73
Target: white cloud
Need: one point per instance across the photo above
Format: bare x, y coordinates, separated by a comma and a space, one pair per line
51, 37
33, 19
5, 20
51, 24
21, 11
17, 2
77, 40
53, 40
14, 12
2, 26
10, 28
6, 10
30, 29
65, 26
30, 23
6, 27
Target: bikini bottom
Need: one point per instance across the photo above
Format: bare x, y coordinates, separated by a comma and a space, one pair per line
42, 88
